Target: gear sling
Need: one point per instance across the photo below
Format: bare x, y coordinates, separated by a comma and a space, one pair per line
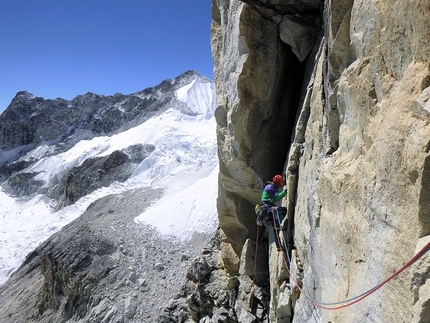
270, 215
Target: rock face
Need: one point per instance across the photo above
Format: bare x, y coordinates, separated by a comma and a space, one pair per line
335, 95
98, 172
212, 294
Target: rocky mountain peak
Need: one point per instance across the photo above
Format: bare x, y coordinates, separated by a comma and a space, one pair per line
23, 105
22, 96
187, 76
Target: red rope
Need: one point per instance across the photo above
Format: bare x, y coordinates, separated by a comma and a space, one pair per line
374, 289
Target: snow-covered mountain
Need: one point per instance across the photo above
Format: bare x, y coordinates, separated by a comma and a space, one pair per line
172, 126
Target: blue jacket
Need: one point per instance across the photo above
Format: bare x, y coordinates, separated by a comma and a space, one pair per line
270, 193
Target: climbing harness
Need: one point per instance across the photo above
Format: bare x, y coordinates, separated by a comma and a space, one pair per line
344, 303
262, 211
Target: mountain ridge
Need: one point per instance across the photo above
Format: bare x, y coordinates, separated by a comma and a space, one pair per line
28, 118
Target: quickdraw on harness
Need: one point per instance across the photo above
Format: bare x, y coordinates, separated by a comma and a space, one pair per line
262, 211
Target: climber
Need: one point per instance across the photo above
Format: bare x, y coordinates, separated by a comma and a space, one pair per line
270, 193
267, 208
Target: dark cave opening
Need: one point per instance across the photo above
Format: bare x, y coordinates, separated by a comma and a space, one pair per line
289, 88
294, 107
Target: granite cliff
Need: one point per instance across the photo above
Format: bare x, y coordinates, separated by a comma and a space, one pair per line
333, 94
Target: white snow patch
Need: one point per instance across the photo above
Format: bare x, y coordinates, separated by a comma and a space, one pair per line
185, 210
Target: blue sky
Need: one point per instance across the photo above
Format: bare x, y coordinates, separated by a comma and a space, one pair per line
63, 48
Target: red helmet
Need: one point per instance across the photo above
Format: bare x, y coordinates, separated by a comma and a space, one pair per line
278, 180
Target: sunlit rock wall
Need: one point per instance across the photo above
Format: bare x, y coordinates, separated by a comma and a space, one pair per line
363, 190
350, 81
255, 79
